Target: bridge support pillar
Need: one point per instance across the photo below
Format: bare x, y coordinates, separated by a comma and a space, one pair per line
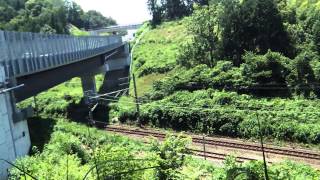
89, 87
14, 132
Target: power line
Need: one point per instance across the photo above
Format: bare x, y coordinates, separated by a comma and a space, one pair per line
110, 93
237, 106
216, 106
150, 101
245, 108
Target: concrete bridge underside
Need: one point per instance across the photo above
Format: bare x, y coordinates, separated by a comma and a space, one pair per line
14, 133
41, 81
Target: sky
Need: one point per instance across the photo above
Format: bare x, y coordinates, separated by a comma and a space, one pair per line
123, 11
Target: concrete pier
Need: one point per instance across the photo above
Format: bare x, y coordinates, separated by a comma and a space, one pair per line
89, 87
14, 132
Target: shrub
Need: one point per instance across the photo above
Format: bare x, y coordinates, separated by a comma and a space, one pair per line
224, 113
170, 154
269, 70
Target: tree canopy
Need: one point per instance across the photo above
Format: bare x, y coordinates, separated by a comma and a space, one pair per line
171, 9
50, 16
270, 42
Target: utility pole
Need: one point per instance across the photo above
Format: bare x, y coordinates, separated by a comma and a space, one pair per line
35, 105
262, 148
204, 147
91, 124
136, 97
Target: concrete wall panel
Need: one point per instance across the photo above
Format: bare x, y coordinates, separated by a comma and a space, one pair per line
21, 138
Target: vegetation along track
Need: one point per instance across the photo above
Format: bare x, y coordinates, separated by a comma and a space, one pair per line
196, 152
228, 144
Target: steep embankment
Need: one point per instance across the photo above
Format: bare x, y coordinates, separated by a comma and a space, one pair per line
67, 149
156, 54
201, 99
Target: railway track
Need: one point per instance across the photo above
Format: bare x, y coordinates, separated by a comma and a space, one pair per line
228, 144
196, 152
218, 156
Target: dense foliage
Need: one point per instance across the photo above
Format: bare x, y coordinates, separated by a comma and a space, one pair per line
72, 149
162, 10
49, 16
71, 153
229, 72
229, 114
273, 43
238, 59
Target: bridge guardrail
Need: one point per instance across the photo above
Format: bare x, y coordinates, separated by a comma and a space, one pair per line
113, 28
25, 53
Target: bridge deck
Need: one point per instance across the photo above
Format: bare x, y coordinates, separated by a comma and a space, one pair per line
27, 53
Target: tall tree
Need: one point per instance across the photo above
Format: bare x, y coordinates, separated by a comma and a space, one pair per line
202, 2
52, 16
303, 77
253, 25
231, 31
203, 25
75, 14
156, 11
172, 9
175, 9
94, 19
316, 35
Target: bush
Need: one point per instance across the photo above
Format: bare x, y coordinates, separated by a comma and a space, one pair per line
224, 113
171, 155
266, 71
222, 76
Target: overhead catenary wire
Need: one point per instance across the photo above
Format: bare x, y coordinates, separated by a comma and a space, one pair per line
211, 108
236, 106
108, 94
246, 108
126, 89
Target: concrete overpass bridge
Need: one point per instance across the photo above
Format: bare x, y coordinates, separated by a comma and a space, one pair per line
31, 63
114, 29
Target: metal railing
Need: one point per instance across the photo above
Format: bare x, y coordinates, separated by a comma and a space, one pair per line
27, 53
114, 28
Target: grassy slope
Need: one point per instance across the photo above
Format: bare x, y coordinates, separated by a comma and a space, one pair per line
77, 32
154, 59
69, 144
68, 135
156, 53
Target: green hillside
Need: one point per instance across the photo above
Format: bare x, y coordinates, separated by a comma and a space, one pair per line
236, 68
182, 91
303, 4
49, 16
156, 54
63, 149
